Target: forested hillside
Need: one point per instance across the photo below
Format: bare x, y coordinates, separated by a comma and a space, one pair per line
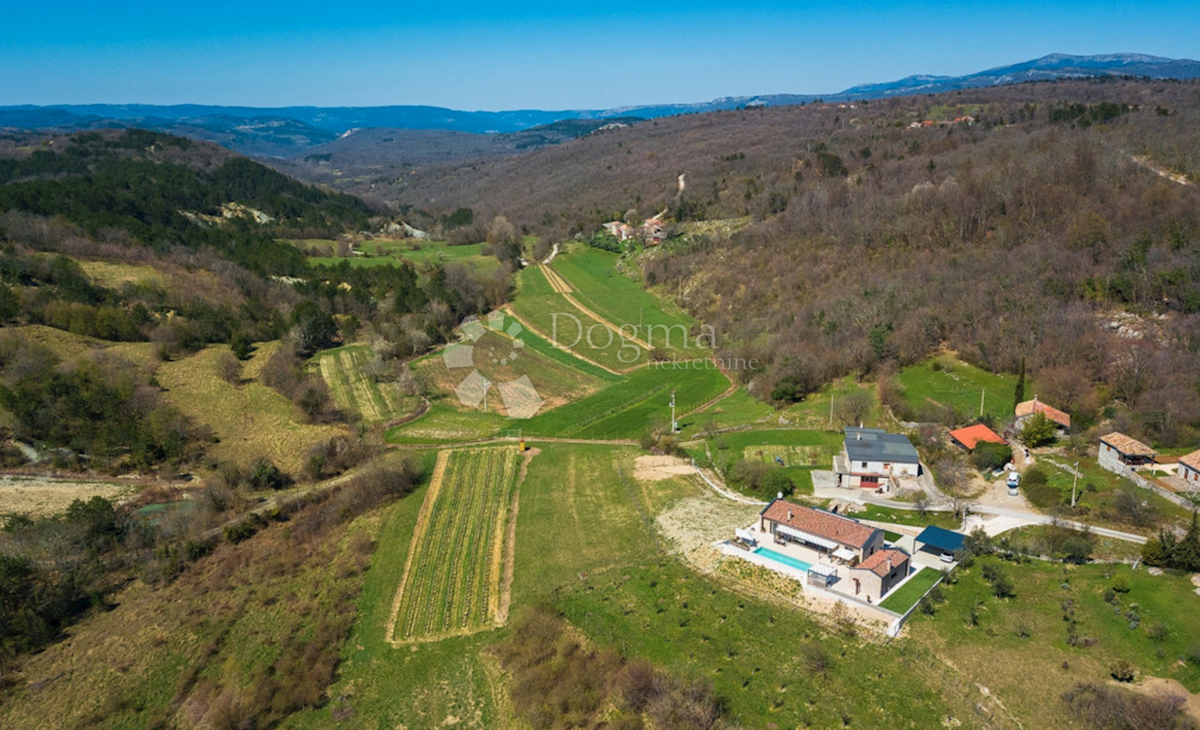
136, 237
1055, 223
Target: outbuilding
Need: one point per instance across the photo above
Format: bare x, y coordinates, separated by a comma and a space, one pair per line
939, 541
968, 438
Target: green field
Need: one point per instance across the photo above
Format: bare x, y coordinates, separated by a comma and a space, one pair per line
772, 664
1096, 494
419, 253
814, 412
912, 518
944, 384
576, 517
908, 594
418, 686
445, 423
451, 582
354, 391
1053, 602
625, 410
599, 286
802, 452
566, 326
739, 408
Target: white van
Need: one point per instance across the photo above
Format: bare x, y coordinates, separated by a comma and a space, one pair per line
1014, 480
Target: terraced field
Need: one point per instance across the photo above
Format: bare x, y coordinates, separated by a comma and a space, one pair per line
452, 578
539, 305
504, 354
355, 391
596, 284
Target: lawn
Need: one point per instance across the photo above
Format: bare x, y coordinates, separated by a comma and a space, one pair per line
626, 409
581, 512
912, 518
249, 419
354, 391
944, 383
1053, 602
908, 594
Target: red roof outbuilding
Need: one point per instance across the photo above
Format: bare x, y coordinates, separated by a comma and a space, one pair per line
970, 436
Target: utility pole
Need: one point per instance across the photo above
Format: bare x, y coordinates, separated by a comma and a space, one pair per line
674, 423
486, 384
1074, 480
831, 407
982, 393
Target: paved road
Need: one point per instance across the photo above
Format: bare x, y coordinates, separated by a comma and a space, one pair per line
1021, 515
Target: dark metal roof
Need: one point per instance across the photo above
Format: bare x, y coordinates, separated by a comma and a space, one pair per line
941, 538
873, 444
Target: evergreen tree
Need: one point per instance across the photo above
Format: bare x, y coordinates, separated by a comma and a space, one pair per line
1186, 555
1019, 391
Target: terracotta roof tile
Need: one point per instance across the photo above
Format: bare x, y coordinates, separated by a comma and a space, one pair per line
1030, 407
1126, 445
844, 530
972, 435
1192, 460
877, 562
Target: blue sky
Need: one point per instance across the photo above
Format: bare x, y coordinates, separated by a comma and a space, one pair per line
558, 55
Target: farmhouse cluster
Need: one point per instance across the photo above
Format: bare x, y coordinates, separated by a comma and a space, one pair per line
851, 561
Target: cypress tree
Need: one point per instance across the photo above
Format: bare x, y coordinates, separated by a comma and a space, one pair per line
1019, 391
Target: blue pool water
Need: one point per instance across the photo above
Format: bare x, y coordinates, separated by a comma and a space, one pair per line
781, 558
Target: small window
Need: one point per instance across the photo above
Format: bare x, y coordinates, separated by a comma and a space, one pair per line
864, 465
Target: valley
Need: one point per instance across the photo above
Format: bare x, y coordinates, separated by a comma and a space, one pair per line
351, 477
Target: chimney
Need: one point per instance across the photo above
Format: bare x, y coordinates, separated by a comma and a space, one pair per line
789, 515
889, 564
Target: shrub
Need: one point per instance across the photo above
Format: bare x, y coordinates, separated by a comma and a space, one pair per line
989, 456
1038, 431
1122, 671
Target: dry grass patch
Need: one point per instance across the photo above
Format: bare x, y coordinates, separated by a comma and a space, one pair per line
41, 496
250, 420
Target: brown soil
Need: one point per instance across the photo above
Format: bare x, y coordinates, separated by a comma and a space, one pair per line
1158, 686
657, 468
40, 497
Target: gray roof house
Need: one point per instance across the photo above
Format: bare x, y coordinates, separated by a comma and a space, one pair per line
871, 457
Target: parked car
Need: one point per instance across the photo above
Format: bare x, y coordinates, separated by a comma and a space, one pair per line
1014, 480
947, 557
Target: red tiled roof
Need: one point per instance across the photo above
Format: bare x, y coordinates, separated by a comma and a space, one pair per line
1126, 445
877, 563
972, 435
1192, 460
1030, 407
844, 530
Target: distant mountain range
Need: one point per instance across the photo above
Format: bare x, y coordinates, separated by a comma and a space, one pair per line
295, 131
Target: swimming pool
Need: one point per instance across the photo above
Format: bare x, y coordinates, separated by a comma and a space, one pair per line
785, 559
